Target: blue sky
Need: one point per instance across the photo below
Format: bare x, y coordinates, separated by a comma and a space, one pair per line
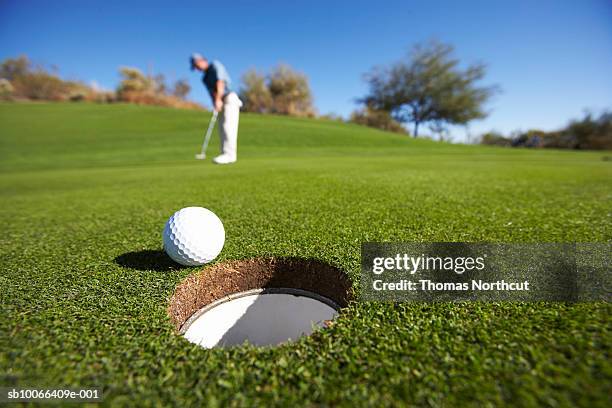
552, 59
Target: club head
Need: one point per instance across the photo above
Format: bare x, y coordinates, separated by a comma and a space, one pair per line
200, 156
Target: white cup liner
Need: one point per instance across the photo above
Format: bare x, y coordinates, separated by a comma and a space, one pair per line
261, 317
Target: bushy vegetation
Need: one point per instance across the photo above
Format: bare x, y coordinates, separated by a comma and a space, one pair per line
590, 132
283, 91
379, 119
20, 79
494, 138
6, 89
136, 87
255, 93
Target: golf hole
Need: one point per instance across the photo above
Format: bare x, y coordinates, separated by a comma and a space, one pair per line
263, 302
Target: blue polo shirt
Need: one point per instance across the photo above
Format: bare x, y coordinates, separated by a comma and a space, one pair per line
215, 72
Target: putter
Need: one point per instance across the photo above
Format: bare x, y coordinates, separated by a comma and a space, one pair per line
211, 125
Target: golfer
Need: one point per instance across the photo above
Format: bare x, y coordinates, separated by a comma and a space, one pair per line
225, 101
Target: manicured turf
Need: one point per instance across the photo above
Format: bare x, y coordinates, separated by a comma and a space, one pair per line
82, 185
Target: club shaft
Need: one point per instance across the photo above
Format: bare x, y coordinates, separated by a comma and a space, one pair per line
211, 126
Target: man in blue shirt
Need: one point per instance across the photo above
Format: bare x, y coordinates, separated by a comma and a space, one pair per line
218, 83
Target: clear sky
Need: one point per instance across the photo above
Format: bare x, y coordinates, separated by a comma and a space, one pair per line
552, 59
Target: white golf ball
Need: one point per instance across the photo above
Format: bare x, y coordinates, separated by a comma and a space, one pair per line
193, 236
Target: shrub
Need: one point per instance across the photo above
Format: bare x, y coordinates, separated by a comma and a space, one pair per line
377, 119
590, 132
331, 116
135, 87
255, 93
134, 81
40, 86
6, 89
101, 97
532, 138
148, 98
290, 92
495, 139
12, 68
587, 133
19, 80
36, 83
283, 91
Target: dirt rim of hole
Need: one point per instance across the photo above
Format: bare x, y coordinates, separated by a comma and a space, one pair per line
228, 278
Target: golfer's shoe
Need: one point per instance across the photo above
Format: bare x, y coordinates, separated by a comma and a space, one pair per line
224, 159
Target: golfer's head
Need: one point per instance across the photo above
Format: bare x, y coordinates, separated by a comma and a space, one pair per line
198, 62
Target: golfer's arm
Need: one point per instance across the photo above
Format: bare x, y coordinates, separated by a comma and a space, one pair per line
220, 90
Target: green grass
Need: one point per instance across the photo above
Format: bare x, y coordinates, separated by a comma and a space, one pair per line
83, 184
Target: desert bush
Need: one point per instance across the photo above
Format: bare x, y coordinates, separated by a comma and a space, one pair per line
255, 93
531, 138
377, 119
41, 86
135, 87
331, 116
6, 89
29, 82
149, 98
12, 68
495, 138
290, 92
283, 91
20, 80
591, 133
134, 81
558, 140
102, 97
77, 96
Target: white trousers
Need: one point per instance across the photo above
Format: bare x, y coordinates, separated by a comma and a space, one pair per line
228, 129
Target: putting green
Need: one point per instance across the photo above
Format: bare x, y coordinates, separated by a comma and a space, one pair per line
84, 286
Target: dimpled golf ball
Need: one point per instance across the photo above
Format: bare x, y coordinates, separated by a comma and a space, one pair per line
193, 236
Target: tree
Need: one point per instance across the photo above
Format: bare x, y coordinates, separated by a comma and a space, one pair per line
290, 92
255, 92
429, 87
181, 88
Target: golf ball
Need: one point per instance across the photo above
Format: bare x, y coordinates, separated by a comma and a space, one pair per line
193, 236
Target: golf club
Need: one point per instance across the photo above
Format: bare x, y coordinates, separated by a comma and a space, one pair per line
211, 125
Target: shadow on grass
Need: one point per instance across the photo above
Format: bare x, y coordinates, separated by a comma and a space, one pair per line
147, 260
